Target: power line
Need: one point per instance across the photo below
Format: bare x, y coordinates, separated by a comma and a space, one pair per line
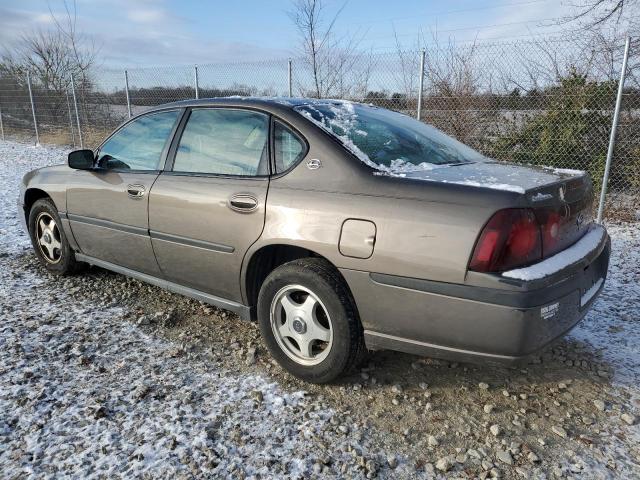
476, 27
450, 12
476, 39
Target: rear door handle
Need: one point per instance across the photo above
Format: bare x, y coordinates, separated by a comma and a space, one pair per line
136, 191
243, 202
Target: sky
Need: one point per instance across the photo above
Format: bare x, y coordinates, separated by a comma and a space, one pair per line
131, 33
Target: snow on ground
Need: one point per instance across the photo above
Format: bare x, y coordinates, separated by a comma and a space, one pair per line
613, 325
83, 392
87, 389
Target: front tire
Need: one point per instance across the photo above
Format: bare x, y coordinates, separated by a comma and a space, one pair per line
49, 240
309, 321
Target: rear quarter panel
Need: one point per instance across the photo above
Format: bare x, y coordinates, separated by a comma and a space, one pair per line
423, 229
414, 238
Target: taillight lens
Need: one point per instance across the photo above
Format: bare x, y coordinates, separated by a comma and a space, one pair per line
550, 231
512, 238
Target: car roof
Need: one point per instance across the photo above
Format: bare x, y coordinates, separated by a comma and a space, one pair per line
268, 103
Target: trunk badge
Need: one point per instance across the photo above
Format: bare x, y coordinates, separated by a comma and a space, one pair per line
580, 220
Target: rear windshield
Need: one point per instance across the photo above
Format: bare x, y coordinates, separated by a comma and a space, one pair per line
387, 140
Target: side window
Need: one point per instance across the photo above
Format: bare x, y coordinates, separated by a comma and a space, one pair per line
139, 144
224, 142
288, 147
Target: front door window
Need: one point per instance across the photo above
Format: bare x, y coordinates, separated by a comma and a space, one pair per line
139, 144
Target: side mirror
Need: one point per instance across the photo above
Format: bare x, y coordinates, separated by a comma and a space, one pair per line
81, 159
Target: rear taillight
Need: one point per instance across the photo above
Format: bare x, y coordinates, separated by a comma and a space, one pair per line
551, 222
512, 238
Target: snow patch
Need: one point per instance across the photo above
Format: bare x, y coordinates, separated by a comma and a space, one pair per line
541, 197
494, 186
568, 171
86, 394
345, 119
588, 295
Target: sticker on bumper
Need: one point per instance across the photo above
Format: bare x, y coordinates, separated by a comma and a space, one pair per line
549, 311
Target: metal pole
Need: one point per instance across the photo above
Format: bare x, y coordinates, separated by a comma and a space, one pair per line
33, 109
421, 83
1, 124
614, 126
195, 81
75, 106
73, 137
290, 79
126, 89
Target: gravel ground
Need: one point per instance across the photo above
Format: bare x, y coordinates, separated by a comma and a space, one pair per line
103, 376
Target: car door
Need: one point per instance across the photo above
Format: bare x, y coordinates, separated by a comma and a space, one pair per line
107, 207
206, 212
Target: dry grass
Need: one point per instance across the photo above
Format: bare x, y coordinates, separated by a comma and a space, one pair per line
56, 137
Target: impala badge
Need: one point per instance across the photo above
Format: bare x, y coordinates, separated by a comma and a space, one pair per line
314, 164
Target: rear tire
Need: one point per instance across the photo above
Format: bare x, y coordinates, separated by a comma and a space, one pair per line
49, 240
309, 321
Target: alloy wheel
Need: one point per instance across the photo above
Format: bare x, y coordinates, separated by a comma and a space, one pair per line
301, 325
48, 238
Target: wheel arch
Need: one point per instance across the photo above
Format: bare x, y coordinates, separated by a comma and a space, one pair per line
265, 260
31, 195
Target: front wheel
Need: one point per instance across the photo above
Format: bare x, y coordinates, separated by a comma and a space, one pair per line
308, 320
49, 240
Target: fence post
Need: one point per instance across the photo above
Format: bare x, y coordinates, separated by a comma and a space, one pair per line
195, 81
33, 109
126, 89
421, 84
1, 124
614, 126
290, 78
73, 137
75, 106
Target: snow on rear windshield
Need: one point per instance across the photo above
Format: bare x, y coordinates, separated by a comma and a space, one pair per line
386, 140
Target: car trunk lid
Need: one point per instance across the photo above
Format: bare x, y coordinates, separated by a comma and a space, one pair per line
492, 174
560, 198
564, 210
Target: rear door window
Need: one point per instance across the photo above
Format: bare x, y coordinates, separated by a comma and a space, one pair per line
289, 148
224, 141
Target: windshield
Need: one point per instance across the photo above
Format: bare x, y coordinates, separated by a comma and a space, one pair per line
387, 140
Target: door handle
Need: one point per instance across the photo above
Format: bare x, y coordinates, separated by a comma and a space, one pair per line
136, 191
242, 202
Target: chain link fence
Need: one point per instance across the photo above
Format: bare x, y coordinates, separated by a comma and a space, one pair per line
542, 102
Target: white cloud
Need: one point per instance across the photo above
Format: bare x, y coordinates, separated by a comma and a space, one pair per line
136, 33
147, 15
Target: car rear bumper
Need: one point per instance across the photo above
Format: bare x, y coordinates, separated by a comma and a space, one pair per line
471, 323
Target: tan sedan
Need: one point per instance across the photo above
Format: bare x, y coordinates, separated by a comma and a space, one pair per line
339, 227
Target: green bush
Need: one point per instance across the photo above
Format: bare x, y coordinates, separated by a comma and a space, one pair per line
571, 131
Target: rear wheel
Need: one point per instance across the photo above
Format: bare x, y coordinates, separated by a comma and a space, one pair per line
308, 320
49, 240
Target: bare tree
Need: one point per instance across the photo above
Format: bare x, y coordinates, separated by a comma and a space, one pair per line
329, 57
605, 21
82, 47
458, 91
407, 74
52, 56
599, 12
